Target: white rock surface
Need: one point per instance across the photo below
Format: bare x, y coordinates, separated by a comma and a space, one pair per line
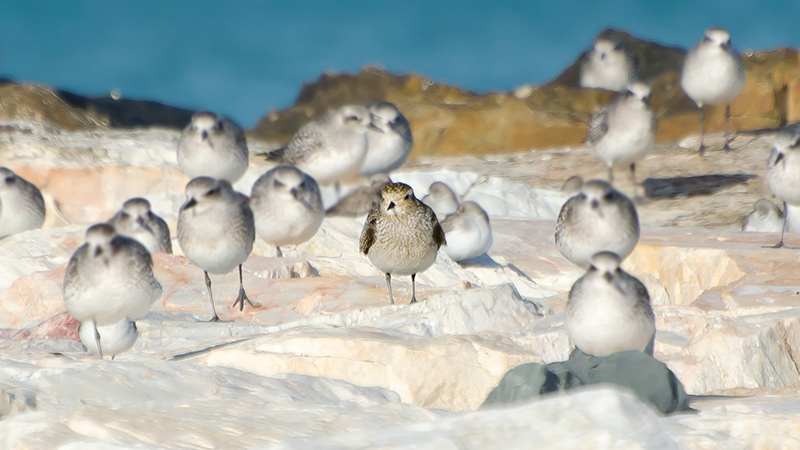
325, 362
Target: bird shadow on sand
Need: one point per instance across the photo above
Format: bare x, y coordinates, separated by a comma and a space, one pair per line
682, 187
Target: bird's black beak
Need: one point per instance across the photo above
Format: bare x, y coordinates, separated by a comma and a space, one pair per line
294, 193
595, 204
391, 206
189, 204
374, 127
608, 276
204, 135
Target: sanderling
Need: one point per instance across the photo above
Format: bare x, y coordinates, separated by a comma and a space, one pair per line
109, 279
766, 217
116, 338
361, 200
401, 235
21, 204
468, 232
441, 199
783, 172
609, 64
388, 148
713, 74
287, 207
608, 310
331, 148
216, 231
624, 131
136, 221
598, 219
213, 146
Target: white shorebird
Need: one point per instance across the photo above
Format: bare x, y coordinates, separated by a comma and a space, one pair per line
783, 172
598, 219
609, 64
765, 218
287, 207
360, 201
441, 199
468, 232
713, 74
331, 148
213, 146
116, 338
109, 279
136, 221
608, 310
624, 131
21, 204
216, 232
401, 235
388, 148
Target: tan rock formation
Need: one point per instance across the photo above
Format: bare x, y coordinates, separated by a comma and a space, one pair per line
449, 121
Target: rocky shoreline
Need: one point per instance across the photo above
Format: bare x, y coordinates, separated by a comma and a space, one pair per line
325, 361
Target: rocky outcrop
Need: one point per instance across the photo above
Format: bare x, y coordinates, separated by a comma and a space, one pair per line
447, 120
68, 111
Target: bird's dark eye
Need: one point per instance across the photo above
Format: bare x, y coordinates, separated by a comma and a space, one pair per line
353, 118
618, 46
408, 197
609, 196
218, 125
213, 191
302, 185
706, 39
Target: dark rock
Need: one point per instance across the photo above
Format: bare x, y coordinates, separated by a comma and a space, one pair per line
648, 378
125, 113
70, 111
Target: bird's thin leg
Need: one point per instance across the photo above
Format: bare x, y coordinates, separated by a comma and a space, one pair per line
242, 297
702, 137
97, 338
413, 288
280, 253
215, 318
783, 230
728, 139
611, 174
389, 285
636, 189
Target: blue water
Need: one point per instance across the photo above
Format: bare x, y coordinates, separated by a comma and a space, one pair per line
243, 58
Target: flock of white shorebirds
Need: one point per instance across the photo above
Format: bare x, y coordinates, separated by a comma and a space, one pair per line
109, 281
